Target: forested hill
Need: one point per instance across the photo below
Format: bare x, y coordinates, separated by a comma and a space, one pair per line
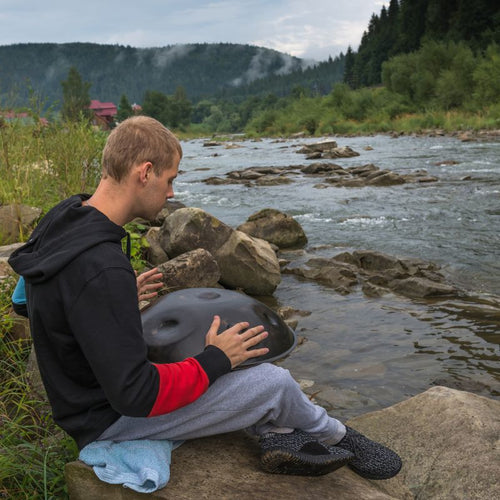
404, 25
203, 70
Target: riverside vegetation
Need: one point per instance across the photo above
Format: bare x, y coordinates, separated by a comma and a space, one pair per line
39, 166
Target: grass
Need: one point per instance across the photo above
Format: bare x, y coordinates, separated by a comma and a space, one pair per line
32, 449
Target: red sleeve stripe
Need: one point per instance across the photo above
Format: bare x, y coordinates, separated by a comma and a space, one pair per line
180, 384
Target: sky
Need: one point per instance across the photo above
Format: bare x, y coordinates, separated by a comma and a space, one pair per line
309, 29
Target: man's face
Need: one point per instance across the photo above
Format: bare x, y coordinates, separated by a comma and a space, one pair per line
159, 189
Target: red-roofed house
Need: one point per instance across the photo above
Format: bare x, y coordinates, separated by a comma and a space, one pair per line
104, 113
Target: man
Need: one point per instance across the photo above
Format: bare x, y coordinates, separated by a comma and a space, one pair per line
86, 326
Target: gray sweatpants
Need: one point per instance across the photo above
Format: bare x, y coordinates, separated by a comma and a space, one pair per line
260, 399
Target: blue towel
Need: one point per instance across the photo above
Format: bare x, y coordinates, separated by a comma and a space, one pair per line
19, 295
142, 465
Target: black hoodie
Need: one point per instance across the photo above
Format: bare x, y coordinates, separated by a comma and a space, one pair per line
82, 303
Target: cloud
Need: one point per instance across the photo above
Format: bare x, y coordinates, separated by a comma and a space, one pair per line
163, 57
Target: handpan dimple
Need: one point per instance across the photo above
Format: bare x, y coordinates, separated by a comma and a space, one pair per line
175, 326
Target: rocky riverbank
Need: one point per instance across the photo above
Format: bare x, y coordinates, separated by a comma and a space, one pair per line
435, 432
446, 439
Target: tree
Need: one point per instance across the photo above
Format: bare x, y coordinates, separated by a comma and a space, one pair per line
349, 75
180, 109
76, 100
487, 77
173, 111
155, 104
124, 109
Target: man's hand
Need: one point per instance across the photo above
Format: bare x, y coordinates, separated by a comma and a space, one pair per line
237, 340
147, 284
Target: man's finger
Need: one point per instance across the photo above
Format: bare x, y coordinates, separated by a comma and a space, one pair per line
251, 332
254, 353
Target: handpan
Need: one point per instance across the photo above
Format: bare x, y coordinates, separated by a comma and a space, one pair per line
175, 326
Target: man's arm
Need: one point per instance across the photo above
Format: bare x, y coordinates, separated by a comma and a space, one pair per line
106, 323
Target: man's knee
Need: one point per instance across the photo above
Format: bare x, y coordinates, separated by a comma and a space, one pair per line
275, 376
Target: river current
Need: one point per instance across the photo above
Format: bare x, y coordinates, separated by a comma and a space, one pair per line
367, 353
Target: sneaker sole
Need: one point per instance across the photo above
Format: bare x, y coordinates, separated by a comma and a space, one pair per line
300, 464
375, 476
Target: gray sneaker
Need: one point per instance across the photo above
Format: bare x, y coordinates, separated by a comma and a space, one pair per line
372, 460
298, 453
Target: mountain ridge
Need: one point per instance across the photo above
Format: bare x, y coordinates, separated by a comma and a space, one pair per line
201, 69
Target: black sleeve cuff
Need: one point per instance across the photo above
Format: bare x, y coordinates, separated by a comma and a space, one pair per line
214, 362
20, 309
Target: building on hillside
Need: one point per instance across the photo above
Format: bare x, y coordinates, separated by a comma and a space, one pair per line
136, 108
104, 114
24, 117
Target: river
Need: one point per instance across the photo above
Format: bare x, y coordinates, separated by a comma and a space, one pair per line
367, 353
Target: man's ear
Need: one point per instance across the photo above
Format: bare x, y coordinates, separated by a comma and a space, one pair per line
145, 170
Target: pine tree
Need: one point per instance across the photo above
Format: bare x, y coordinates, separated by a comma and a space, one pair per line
76, 100
124, 109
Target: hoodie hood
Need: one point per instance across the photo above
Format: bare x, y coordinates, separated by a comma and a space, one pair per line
65, 232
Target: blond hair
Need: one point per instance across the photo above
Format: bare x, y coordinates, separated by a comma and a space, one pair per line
137, 140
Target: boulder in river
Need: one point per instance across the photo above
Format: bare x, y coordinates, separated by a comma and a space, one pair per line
248, 263
245, 262
378, 273
193, 269
275, 227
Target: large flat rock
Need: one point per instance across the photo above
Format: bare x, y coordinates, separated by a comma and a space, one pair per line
448, 440
226, 467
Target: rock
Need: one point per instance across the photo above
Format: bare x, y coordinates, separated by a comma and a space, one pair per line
16, 221
169, 208
447, 439
190, 228
421, 288
275, 227
211, 144
154, 252
378, 274
320, 168
248, 174
363, 170
343, 152
6, 250
320, 147
217, 181
269, 180
194, 269
340, 276
445, 163
298, 135
426, 179
370, 260
20, 329
386, 179
314, 156
327, 149
466, 137
249, 264
373, 290
5, 269
206, 468
244, 262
